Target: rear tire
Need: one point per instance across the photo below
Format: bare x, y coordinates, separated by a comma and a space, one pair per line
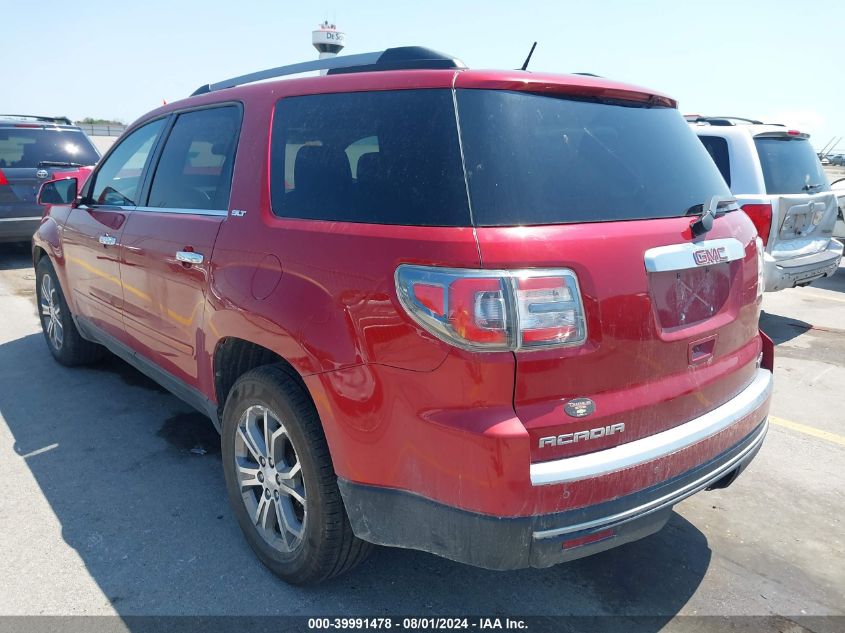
281, 482
63, 339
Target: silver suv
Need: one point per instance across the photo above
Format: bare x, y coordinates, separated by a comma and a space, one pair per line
778, 180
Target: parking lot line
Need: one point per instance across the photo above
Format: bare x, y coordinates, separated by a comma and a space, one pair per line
808, 430
824, 297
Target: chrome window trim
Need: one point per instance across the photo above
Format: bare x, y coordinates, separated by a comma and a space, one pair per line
680, 256
29, 217
646, 449
222, 213
666, 500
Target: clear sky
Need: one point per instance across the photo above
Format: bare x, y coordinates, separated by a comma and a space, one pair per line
776, 60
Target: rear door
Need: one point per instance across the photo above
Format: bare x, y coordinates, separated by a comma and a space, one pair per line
804, 209
168, 240
608, 190
92, 234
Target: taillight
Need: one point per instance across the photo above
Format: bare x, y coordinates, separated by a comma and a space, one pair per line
490, 310
3, 180
761, 216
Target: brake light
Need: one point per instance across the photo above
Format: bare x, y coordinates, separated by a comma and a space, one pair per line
432, 297
494, 310
761, 216
3, 180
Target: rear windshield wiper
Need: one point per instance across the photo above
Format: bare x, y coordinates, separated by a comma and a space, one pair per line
725, 204
811, 187
709, 212
58, 163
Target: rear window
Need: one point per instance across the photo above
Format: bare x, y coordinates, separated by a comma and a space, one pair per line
533, 159
26, 147
790, 165
717, 147
388, 157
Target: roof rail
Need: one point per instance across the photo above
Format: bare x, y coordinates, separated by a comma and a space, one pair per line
720, 120
44, 119
399, 58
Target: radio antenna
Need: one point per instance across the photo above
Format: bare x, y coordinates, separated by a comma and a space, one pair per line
530, 53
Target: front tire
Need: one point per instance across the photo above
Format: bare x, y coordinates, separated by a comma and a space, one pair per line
63, 339
281, 482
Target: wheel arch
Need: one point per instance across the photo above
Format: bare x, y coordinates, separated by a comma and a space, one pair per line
235, 356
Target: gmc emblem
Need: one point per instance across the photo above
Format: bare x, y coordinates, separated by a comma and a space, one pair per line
708, 256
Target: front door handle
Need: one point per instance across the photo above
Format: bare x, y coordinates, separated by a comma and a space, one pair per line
107, 240
189, 257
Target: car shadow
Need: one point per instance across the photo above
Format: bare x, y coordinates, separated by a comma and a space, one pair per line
15, 255
782, 328
135, 480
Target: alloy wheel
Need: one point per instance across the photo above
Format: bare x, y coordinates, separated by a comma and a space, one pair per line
51, 313
270, 478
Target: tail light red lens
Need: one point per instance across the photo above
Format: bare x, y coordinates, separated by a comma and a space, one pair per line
432, 297
761, 216
494, 310
3, 180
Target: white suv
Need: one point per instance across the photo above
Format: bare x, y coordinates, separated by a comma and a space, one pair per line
778, 180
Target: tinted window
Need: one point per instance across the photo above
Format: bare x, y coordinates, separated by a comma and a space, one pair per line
26, 147
533, 159
717, 147
382, 157
118, 179
790, 165
195, 168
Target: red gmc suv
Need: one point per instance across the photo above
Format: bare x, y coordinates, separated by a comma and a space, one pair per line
505, 317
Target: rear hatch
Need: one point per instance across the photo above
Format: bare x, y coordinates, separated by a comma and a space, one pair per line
607, 186
29, 155
804, 209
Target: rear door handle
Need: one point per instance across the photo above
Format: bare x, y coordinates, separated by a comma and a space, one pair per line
107, 240
189, 257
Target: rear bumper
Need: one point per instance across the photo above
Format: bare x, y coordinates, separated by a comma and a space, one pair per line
18, 229
402, 519
637, 503
788, 273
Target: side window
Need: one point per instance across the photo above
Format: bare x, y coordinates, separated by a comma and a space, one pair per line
195, 168
717, 147
384, 157
119, 177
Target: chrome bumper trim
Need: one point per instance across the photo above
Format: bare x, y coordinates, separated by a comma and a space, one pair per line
665, 501
654, 446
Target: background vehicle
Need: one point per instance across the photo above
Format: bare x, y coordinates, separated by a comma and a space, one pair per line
32, 150
777, 178
512, 343
838, 187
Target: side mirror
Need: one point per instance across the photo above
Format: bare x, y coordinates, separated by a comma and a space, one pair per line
58, 191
